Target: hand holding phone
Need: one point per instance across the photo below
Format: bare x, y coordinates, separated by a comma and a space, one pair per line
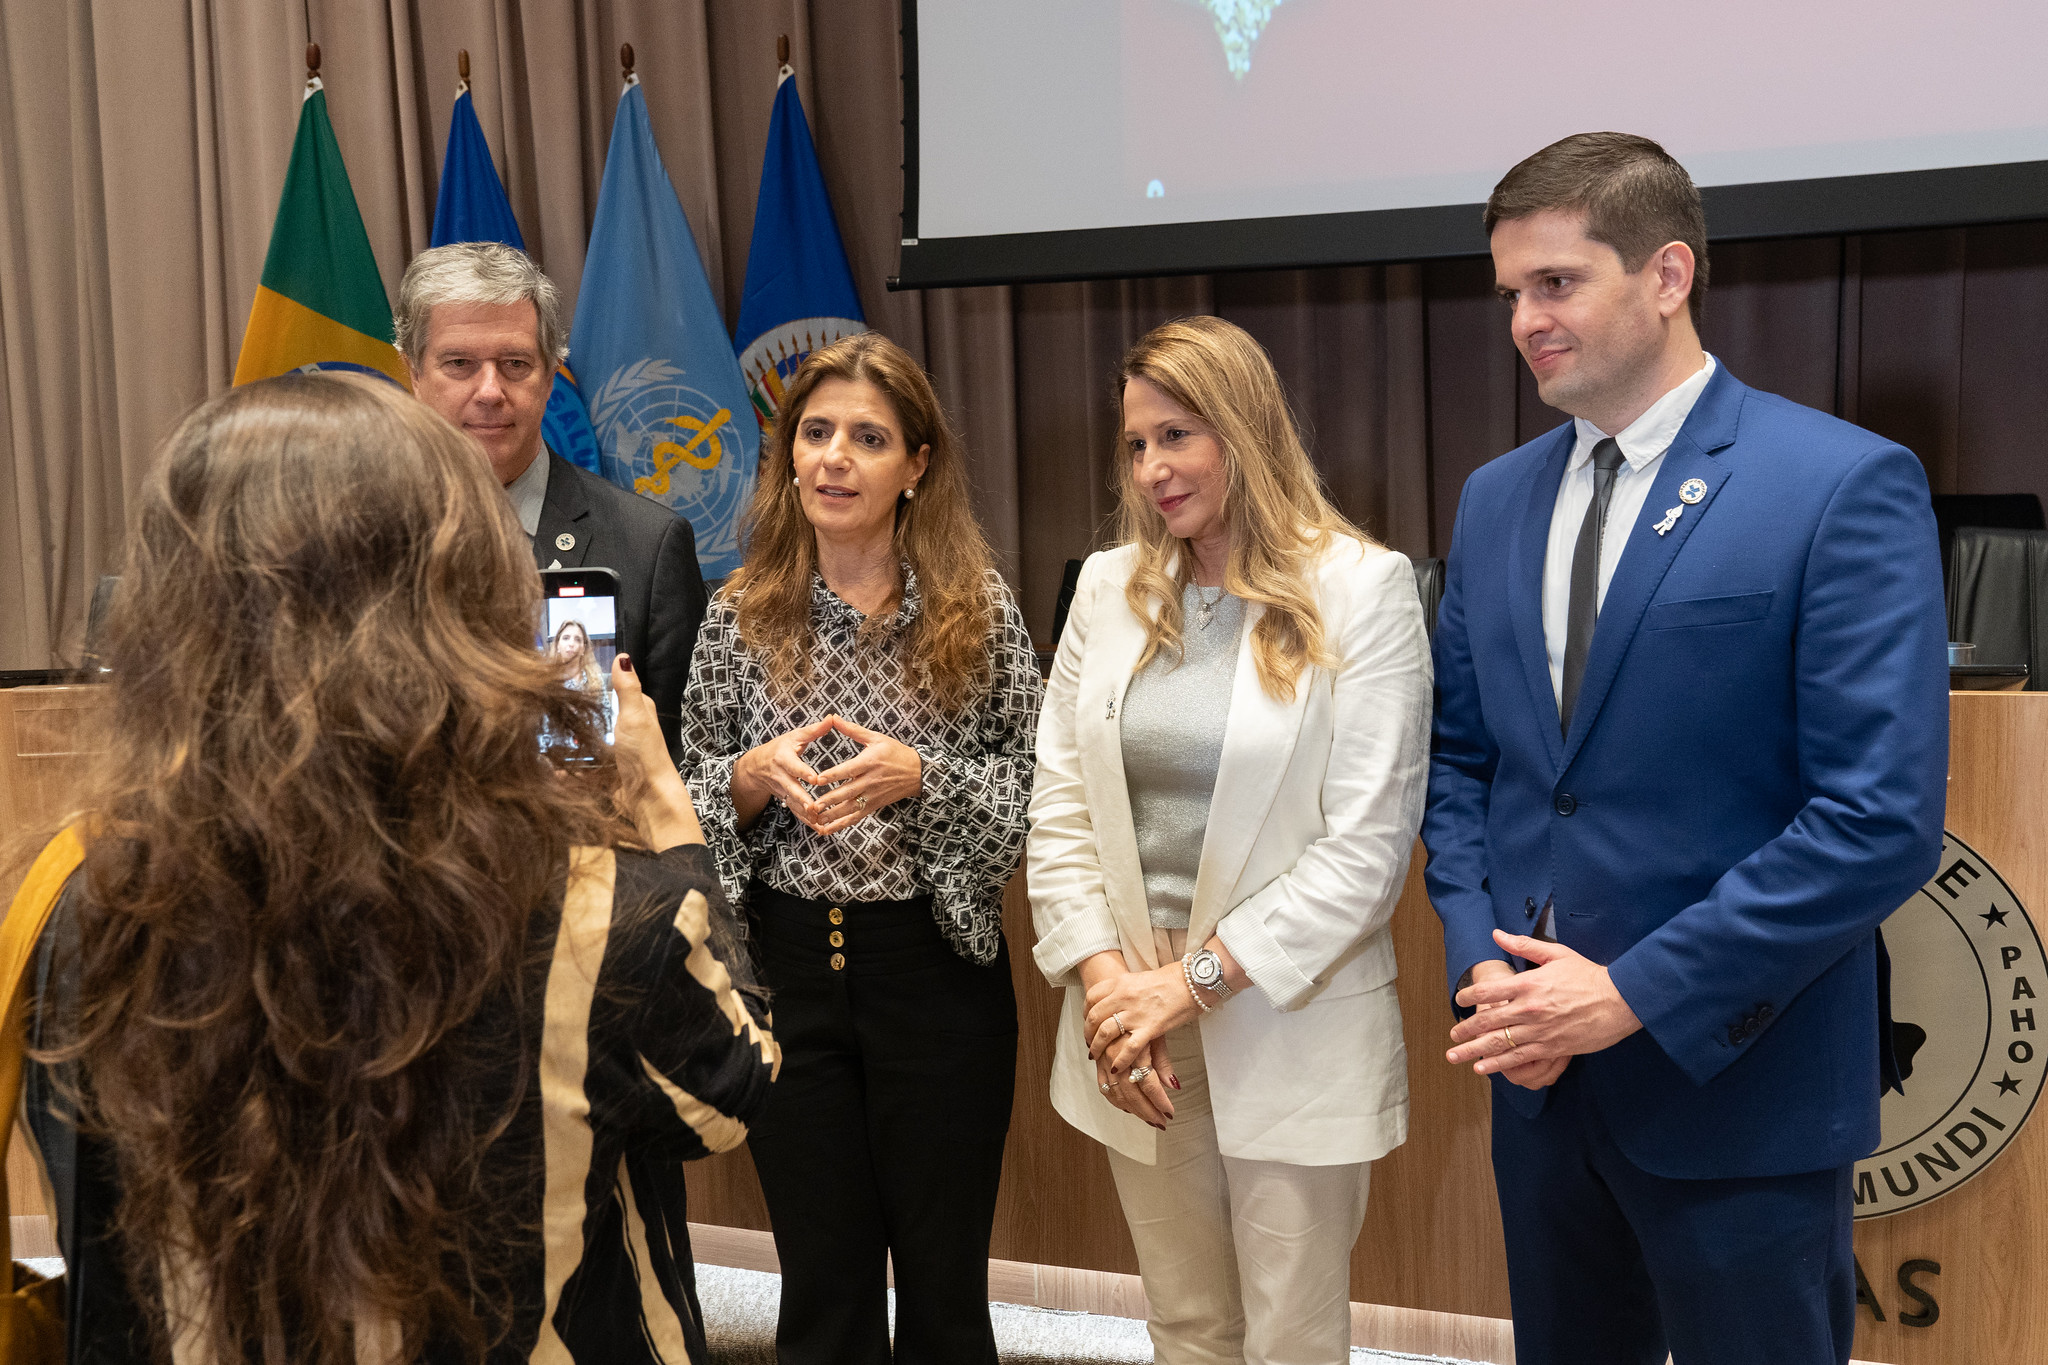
664, 812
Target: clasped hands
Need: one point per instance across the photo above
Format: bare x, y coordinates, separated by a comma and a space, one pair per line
884, 771
1529, 1025
1129, 1015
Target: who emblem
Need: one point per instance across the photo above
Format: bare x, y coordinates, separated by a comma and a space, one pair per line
671, 442
1966, 968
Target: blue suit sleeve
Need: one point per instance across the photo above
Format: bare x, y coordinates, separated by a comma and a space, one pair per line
1871, 687
1462, 760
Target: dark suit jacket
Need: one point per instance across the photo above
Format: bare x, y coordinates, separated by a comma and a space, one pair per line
654, 552
1754, 777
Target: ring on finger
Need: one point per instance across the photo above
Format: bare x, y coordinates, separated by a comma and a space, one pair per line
1120, 1029
1139, 1073
861, 801
1508, 1034
1106, 1086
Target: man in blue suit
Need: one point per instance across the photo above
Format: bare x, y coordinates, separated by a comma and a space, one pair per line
1691, 747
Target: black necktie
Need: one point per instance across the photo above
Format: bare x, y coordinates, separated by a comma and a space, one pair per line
1585, 601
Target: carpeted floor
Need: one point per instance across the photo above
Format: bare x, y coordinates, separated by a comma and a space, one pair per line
739, 1320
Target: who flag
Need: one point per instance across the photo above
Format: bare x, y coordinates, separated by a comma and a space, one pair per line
471, 207
799, 293
666, 397
321, 303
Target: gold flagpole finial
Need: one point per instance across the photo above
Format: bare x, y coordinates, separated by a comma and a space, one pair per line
626, 59
312, 60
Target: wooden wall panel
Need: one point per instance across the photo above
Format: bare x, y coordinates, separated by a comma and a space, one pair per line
45, 733
1432, 1229
1990, 1237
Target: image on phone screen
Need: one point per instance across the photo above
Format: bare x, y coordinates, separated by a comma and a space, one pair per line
579, 631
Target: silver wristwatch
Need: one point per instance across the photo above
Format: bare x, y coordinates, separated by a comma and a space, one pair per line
1205, 969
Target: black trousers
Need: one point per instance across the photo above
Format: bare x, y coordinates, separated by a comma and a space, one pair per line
883, 1136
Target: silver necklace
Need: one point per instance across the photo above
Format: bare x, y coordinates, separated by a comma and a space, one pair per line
1206, 606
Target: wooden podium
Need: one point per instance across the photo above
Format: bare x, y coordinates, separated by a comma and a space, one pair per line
1432, 1233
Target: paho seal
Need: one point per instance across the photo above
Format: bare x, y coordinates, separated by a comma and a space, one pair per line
1971, 1040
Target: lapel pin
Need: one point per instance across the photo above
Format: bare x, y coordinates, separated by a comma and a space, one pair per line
565, 541
1671, 516
1691, 491
1110, 714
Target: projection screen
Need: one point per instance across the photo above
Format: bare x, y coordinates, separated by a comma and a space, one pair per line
1075, 139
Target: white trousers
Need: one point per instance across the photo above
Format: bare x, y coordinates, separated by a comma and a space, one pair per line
1244, 1262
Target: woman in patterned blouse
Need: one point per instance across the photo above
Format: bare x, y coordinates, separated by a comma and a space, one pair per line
857, 736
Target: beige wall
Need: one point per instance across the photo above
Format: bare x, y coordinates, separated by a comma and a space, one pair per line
143, 145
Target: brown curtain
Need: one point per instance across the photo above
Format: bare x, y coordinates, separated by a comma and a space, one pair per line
143, 145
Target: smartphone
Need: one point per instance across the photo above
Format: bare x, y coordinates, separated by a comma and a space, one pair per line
579, 630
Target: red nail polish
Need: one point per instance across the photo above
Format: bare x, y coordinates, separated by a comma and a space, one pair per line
626, 663
1173, 1081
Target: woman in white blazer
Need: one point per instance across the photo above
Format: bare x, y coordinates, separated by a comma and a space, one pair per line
1231, 765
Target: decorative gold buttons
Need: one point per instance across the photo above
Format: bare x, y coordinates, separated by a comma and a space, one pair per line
837, 916
839, 962
838, 939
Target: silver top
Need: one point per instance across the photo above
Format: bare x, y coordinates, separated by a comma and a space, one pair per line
1173, 718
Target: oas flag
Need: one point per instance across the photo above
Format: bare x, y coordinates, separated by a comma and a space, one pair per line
321, 304
666, 397
471, 207
799, 293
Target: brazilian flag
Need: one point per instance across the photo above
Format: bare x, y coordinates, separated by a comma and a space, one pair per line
321, 304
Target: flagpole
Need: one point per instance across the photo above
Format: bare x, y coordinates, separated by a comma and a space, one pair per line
626, 64
312, 67
462, 71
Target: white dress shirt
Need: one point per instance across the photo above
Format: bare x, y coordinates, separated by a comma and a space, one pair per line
529, 493
1643, 444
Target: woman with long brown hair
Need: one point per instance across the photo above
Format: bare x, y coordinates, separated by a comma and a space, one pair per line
366, 1033
1231, 767
857, 735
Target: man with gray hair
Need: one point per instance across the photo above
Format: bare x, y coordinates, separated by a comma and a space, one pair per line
481, 329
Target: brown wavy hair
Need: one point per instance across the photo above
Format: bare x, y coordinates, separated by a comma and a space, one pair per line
322, 823
1273, 501
936, 534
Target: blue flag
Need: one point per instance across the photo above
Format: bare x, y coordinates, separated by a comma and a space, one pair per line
666, 397
471, 207
799, 293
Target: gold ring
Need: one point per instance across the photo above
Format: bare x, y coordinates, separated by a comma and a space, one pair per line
1120, 1029
861, 801
1509, 1036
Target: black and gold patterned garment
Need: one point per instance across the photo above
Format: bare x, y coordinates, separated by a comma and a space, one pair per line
958, 842
648, 1047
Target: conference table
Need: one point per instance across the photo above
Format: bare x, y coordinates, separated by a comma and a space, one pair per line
1962, 1277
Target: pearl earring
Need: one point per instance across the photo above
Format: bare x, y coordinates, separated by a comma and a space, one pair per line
910, 492
797, 479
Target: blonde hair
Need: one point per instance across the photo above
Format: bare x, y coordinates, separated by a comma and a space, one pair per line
1278, 516
946, 648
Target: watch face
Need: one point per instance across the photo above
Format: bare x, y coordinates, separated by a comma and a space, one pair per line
1208, 968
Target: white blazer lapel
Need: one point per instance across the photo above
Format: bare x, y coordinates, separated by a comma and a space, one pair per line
1258, 744
1116, 640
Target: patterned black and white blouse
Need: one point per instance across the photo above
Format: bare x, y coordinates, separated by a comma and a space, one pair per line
959, 841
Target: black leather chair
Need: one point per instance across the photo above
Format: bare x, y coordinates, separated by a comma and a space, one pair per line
2001, 511
1429, 583
1998, 598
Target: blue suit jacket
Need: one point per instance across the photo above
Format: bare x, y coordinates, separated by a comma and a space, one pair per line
1754, 778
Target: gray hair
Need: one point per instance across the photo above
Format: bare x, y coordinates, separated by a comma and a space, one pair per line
476, 272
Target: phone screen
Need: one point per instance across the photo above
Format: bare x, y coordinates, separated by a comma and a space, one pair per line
579, 630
